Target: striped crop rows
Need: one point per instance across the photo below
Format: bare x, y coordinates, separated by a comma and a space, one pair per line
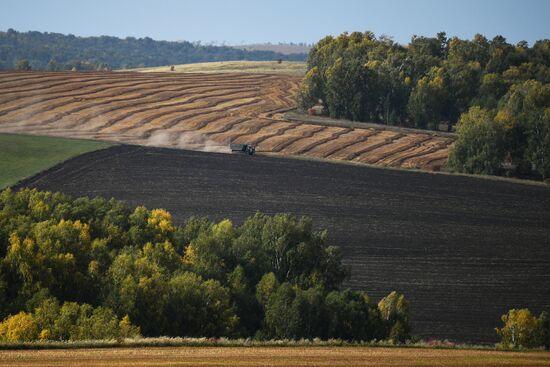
162, 109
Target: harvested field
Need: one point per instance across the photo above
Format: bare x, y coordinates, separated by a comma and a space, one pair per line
297, 68
266, 356
464, 250
162, 109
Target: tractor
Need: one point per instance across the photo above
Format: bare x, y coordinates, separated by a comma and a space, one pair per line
243, 148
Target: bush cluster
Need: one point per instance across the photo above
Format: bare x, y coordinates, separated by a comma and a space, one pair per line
523, 330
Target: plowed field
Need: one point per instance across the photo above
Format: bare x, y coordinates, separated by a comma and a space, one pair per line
199, 112
463, 250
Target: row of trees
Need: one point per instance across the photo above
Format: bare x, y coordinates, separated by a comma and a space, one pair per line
54, 51
361, 77
83, 268
437, 80
73, 65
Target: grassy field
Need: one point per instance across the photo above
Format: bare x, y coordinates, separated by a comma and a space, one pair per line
256, 67
271, 356
22, 156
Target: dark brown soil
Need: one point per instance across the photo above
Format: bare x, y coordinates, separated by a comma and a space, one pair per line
464, 250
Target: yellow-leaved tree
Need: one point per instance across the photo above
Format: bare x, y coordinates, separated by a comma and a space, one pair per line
21, 327
521, 329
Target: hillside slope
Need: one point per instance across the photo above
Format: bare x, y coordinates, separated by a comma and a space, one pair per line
463, 250
55, 51
200, 112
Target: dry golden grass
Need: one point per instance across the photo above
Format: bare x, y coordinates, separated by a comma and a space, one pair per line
297, 68
271, 356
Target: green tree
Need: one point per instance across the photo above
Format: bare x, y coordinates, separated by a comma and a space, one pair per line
195, 307
351, 317
538, 145
55, 255
282, 317
492, 88
311, 88
246, 307
521, 111
428, 101
394, 310
266, 287
521, 329
290, 248
212, 251
138, 288
189, 232
481, 143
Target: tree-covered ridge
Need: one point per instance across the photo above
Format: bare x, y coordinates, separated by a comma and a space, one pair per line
54, 51
513, 138
430, 80
93, 268
436, 80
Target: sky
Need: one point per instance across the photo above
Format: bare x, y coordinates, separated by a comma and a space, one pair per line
258, 21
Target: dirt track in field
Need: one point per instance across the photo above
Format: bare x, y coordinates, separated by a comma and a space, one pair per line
198, 111
464, 250
265, 356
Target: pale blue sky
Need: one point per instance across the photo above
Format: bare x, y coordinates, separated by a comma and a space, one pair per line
247, 21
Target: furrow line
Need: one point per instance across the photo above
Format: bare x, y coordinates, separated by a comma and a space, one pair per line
392, 152
174, 122
387, 141
191, 100
334, 136
290, 141
108, 107
362, 139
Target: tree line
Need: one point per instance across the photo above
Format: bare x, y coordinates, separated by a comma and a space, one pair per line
55, 51
498, 93
94, 268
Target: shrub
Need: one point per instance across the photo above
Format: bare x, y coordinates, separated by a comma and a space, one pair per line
522, 329
21, 327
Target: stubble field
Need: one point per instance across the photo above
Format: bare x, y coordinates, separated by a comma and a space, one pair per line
269, 356
199, 112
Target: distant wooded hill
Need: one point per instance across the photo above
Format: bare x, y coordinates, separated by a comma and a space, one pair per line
284, 48
54, 51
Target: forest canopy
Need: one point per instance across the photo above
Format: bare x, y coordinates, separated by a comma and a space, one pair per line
497, 92
94, 268
55, 51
